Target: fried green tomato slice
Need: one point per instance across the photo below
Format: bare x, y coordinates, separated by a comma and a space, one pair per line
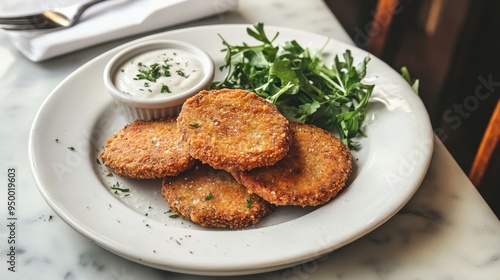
234, 129
315, 169
212, 198
147, 150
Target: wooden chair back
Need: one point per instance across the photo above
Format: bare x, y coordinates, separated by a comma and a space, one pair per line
489, 144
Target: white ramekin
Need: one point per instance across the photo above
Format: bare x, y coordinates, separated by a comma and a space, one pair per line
136, 107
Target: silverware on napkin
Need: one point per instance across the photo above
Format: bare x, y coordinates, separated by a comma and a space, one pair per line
56, 18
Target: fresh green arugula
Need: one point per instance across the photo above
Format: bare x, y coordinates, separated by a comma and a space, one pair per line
414, 83
299, 83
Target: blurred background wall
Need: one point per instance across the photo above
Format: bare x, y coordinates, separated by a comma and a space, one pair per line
453, 48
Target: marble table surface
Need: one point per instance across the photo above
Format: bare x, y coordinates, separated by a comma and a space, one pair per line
446, 231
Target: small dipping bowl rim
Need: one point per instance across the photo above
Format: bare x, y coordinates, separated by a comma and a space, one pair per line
176, 99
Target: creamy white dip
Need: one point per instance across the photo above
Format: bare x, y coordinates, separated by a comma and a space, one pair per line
159, 73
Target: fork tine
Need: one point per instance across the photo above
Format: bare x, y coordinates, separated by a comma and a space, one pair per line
30, 27
49, 19
27, 23
19, 27
19, 20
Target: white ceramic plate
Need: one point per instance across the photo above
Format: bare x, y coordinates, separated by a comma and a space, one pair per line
80, 114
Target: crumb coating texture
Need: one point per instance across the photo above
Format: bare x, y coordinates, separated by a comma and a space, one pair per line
233, 129
212, 198
313, 172
147, 150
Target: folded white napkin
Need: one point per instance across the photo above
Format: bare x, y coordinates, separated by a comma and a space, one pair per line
112, 20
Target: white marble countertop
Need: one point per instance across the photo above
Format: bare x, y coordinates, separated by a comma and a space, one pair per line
446, 231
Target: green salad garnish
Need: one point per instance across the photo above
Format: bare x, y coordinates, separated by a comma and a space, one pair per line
299, 83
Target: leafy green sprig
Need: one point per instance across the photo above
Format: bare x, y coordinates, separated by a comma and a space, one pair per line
414, 83
299, 83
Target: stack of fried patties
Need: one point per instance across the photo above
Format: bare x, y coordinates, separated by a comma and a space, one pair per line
230, 158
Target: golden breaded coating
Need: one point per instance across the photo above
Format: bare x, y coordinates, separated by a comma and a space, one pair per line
233, 129
212, 198
147, 150
314, 171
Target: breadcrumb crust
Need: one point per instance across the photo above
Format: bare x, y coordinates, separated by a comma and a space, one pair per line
212, 198
313, 172
234, 129
147, 150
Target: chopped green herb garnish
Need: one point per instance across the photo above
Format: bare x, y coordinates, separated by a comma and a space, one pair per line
165, 88
182, 74
299, 83
116, 189
71, 149
174, 216
195, 125
209, 196
153, 72
249, 203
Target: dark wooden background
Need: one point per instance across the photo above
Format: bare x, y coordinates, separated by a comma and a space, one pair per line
454, 49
